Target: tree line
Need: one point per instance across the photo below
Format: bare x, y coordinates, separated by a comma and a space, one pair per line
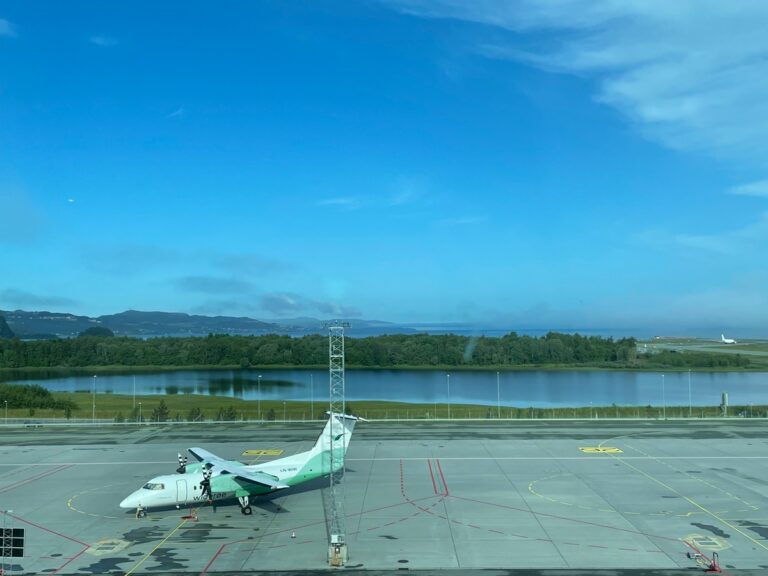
32, 396
389, 351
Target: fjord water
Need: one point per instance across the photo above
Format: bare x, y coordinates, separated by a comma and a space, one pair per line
534, 388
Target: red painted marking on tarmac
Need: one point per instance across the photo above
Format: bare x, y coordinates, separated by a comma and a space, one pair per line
33, 478
445, 484
60, 535
60, 568
20, 519
576, 520
212, 560
432, 475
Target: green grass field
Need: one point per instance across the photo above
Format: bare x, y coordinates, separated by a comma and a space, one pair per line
116, 407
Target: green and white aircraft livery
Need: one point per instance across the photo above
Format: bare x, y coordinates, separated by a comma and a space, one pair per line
213, 478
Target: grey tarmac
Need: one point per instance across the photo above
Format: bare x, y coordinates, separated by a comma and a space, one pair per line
481, 497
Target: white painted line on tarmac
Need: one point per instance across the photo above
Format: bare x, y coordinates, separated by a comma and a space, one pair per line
605, 458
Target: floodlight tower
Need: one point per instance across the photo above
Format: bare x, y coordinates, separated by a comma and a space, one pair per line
337, 545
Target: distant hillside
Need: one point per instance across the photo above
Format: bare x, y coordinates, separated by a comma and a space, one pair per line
5, 330
37, 325
136, 323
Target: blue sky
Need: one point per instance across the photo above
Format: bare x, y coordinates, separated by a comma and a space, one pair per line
553, 164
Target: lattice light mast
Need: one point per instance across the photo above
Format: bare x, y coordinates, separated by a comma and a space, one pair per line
337, 545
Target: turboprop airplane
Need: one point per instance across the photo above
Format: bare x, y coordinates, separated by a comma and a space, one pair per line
213, 478
725, 340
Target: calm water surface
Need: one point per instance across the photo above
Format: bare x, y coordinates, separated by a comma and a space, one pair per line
534, 388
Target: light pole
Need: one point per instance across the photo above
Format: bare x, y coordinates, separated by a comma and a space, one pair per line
93, 396
498, 397
134, 392
283, 410
140, 419
311, 396
663, 399
6, 412
448, 378
689, 392
259, 394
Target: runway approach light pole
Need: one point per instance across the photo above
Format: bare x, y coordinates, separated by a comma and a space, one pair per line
334, 513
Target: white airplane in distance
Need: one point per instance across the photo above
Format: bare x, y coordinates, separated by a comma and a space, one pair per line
725, 340
213, 478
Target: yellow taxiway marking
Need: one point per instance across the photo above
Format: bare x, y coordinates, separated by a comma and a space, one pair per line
709, 543
750, 507
71, 506
693, 503
600, 450
270, 452
148, 554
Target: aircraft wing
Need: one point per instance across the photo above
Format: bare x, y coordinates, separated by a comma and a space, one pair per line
237, 470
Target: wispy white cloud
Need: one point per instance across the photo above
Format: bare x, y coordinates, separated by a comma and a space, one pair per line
134, 259
215, 285
691, 74
103, 40
759, 188
348, 202
463, 220
752, 238
20, 297
409, 190
180, 112
287, 303
6, 28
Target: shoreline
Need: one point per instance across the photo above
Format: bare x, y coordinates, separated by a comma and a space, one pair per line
150, 369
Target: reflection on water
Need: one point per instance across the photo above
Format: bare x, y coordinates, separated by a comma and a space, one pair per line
536, 388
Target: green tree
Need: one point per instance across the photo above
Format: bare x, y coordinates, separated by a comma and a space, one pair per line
101, 331
228, 414
195, 415
161, 412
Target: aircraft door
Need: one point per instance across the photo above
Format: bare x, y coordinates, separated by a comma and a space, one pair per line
181, 490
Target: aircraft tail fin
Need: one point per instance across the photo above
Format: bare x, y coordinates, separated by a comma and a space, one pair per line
341, 427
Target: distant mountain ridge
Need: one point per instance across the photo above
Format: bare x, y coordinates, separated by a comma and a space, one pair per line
135, 323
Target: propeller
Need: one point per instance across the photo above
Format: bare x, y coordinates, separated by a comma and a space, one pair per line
182, 464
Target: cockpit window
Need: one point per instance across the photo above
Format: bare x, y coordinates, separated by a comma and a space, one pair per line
153, 486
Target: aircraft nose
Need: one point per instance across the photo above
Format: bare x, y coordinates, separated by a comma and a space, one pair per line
131, 501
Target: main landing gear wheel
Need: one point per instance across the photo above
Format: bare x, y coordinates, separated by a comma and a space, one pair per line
140, 513
245, 506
